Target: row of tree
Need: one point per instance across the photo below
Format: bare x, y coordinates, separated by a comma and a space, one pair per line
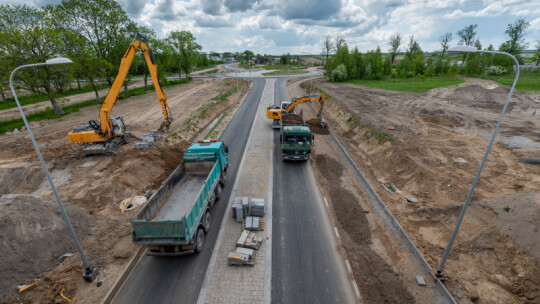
95, 34
344, 64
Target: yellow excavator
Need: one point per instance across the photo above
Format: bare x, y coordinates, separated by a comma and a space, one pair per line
105, 137
274, 112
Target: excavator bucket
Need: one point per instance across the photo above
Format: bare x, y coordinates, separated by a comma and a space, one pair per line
164, 127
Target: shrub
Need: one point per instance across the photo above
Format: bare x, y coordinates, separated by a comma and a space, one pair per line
339, 73
495, 70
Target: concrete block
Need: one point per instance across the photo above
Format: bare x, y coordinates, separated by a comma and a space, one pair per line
246, 251
239, 215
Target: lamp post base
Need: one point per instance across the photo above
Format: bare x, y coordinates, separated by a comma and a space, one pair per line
90, 274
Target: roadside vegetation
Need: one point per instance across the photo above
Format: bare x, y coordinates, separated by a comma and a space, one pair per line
94, 34
417, 71
417, 84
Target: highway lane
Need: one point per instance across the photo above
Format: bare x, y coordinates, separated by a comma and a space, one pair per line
179, 279
306, 264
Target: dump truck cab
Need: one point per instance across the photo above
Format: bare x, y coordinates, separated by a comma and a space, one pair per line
296, 138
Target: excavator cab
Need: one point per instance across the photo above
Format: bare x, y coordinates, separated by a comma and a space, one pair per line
118, 125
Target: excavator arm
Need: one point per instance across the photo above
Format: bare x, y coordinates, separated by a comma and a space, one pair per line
112, 97
303, 99
274, 112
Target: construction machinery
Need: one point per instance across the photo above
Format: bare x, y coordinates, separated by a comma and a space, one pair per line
105, 137
295, 138
177, 216
286, 107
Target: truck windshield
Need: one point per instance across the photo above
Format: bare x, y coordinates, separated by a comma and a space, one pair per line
296, 140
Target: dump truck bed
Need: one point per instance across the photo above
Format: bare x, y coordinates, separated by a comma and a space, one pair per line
173, 212
182, 198
291, 119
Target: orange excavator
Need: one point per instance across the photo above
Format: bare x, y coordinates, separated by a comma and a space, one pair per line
286, 107
105, 137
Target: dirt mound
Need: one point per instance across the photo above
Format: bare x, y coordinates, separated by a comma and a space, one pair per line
371, 271
439, 140
316, 128
29, 226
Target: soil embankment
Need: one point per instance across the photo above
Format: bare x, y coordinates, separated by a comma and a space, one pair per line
33, 231
428, 147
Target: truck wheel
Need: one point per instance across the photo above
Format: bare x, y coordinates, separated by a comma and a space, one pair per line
207, 221
199, 240
223, 179
218, 193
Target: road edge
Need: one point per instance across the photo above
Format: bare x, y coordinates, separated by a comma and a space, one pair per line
213, 258
124, 276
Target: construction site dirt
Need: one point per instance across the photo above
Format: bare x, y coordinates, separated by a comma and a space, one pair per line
291, 119
420, 152
34, 233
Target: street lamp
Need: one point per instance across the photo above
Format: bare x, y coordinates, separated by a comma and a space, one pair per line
90, 273
472, 49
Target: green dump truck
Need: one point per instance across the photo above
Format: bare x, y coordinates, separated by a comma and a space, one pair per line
177, 217
296, 138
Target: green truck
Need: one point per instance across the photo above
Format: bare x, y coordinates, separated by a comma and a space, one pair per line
177, 216
296, 138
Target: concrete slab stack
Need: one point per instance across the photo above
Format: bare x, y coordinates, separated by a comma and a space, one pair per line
257, 207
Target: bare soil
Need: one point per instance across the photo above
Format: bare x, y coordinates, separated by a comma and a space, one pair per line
33, 232
429, 146
316, 127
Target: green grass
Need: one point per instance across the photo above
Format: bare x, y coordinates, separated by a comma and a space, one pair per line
8, 125
211, 71
31, 99
11, 124
527, 80
417, 85
284, 72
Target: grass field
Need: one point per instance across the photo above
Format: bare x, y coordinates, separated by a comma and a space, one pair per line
527, 80
417, 85
282, 70
8, 125
31, 99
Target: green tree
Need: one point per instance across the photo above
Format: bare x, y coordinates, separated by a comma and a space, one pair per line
536, 57
395, 42
328, 47
104, 24
27, 35
516, 38
284, 59
6, 67
467, 36
185, 50
445, 40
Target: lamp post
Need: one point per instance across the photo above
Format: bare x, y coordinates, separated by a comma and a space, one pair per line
90, 273
471, 49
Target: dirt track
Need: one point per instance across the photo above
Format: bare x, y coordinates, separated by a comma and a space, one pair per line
92, 188
429, 146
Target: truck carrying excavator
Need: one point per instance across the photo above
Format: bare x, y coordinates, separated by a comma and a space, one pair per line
286, 107
105, 137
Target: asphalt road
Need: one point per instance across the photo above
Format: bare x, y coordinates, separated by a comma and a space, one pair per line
306, 264
179, 279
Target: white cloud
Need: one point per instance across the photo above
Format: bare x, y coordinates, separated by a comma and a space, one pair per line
296, 26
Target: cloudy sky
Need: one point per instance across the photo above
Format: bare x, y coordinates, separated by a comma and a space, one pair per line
297, 26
